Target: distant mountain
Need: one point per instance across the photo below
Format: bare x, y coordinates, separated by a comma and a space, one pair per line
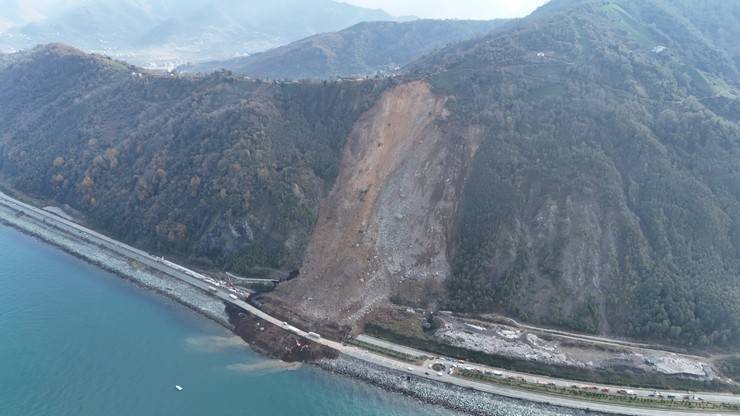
168, 32
363, 49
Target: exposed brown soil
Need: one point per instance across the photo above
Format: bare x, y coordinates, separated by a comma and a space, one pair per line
274, 342
384, 229
326, 328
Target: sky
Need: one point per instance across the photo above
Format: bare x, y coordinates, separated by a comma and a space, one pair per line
24, 11
453, 9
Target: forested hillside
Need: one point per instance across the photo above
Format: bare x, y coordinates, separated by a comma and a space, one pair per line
363, 49
717, 23
226, 171
579, 168
605, 195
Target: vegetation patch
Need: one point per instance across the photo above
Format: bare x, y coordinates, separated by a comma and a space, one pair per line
730, 367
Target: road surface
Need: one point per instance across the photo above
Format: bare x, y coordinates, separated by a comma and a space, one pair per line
367, 339
535, 379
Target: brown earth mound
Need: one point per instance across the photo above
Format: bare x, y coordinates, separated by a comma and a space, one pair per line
384, 230
274, 342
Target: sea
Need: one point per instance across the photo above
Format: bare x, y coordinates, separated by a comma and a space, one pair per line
76, 340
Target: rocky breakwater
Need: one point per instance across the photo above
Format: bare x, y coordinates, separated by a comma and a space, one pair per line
441, 394
117, 263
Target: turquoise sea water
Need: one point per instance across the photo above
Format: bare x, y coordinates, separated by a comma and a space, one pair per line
78, 341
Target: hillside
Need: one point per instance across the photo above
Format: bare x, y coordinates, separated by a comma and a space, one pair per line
717, 22
590, 184
166, 33
578, 169
224, 171
604, 197
363, 49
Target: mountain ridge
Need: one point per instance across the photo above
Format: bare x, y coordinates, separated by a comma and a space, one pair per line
361, 50
563, 170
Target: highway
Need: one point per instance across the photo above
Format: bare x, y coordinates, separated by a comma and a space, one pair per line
612, 389
73, 229
535, 379
393, 347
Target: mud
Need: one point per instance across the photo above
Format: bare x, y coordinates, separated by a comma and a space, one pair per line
274, 342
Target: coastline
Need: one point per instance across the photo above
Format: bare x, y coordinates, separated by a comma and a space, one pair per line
426, 391
140, 275
466, 398
437, 393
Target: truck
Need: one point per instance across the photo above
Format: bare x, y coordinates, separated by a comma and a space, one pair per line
314, 335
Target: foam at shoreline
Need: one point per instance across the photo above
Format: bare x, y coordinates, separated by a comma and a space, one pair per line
427, 391
173, 288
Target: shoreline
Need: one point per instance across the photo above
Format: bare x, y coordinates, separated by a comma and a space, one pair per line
464, 398
448, 396
186, 295
429, 392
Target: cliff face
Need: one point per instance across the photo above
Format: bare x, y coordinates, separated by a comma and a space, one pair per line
384, 229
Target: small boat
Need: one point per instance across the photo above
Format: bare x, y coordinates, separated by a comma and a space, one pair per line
178, 387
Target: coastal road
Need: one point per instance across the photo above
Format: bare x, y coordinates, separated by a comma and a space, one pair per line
75, 230
500, 390
535, 379
367, 339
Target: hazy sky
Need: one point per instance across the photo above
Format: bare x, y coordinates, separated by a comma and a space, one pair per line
24, 11
454, 9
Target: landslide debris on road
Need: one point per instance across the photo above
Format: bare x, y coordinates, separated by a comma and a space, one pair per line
384, 229
274, 342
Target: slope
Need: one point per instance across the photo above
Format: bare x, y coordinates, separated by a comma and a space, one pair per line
225, 171
604, 195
